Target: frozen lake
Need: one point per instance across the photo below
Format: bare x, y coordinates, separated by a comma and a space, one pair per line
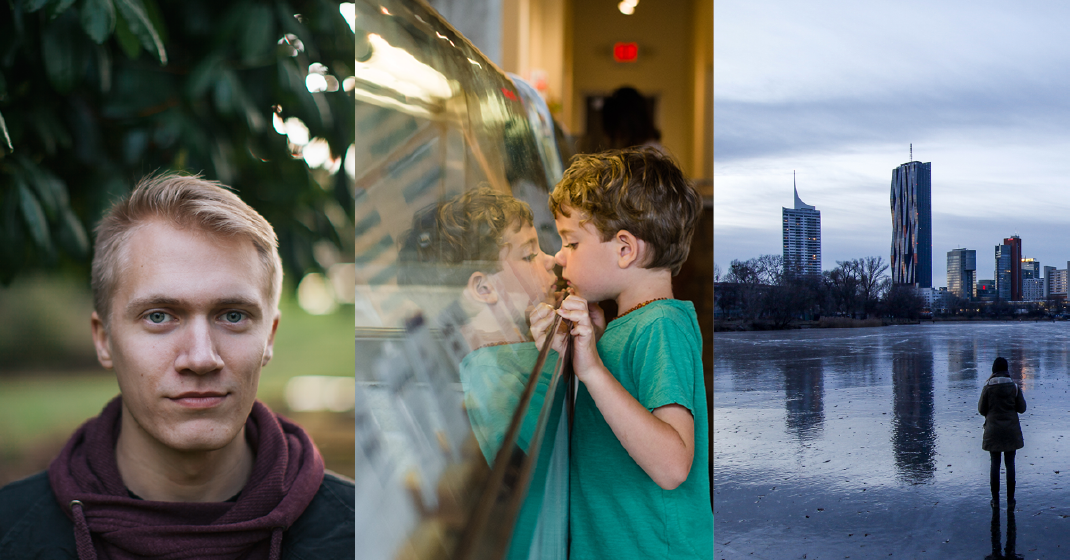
866, 443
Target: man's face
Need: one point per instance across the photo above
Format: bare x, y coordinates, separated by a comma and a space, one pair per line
527, 276
587, 262
190, 328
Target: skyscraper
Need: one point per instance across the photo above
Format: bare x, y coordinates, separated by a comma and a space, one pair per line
802, 238
1009, 269
912, 228
1030, 268
962, 272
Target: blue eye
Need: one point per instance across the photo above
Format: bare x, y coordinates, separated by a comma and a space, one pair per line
234, 316
157, 317
530, 257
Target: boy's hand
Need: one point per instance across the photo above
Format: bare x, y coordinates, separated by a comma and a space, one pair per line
598, 320
587, 326
541, 319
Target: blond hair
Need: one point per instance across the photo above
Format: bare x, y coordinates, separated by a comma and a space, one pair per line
187, 201
640, 190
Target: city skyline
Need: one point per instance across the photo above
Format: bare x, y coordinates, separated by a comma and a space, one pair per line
834, 91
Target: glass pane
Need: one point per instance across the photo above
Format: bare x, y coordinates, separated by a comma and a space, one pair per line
458, 415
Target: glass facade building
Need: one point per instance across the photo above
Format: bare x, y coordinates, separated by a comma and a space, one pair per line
1030, 268
912, 232
962, 272
802, 238
1008, 274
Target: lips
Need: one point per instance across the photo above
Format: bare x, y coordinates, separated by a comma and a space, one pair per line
199, 400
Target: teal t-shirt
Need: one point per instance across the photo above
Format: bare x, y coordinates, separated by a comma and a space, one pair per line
616, 510
493, 379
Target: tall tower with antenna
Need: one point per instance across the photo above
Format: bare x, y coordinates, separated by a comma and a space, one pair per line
802, 237
912, 227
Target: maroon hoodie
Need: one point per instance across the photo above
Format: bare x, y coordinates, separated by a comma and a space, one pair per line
110, 523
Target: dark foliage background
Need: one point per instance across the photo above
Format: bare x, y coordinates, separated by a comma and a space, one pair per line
95, 94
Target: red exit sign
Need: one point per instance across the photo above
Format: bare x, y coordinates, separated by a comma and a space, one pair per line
625, 52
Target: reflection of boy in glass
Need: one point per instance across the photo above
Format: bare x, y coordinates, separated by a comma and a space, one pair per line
484, 242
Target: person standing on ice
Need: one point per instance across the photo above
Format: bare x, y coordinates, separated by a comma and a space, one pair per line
1001, 402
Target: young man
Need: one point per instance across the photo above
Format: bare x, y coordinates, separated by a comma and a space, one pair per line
639, 484
185, 462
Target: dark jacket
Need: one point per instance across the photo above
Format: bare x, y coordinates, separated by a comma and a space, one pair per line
32, 525
1001, 402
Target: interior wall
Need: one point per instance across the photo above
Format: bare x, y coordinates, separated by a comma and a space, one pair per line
533, 45
664, 31
703, 96
478, 20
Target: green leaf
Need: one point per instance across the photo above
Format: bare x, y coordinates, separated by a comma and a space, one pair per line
33, 5
126, 38
45, 188
204, 75
7, 137
60, 58
72, 236
257, 34
12, 247
133, 11
34, 217
98, 19
57, 7
3, 86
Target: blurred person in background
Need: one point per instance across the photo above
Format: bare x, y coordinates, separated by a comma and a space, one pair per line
185, 462
627, 121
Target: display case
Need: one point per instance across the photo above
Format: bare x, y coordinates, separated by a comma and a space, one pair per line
461, 417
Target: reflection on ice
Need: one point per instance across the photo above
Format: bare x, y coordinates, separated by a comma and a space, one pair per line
802, 385
867, 442
913, 433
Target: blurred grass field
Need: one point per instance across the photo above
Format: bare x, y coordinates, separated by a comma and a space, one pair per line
50, 384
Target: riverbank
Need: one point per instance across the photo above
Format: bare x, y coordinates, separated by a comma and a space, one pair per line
740, 325
823, 323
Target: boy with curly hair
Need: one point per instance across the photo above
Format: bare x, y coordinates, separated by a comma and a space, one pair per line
639, 486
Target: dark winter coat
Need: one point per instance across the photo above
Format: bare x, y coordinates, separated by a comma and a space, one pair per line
1001, 402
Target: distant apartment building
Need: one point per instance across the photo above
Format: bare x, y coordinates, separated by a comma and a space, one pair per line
1008, 274
802, 238
1033, 289
912, 229
962, 272
986, 290
1055, 281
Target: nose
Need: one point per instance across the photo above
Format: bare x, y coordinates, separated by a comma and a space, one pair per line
548, 261
199, 354
559, 257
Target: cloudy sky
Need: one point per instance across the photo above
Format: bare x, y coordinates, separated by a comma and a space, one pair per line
837, 92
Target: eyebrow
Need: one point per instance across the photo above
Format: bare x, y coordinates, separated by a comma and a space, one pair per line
161, 300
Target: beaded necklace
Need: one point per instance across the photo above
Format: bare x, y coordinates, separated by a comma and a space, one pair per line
641, 305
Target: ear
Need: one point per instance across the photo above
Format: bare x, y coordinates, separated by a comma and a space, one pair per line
269, 351
101, 341
630, 249
481, 289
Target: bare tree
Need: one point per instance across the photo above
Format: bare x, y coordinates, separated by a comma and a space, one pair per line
872, 282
